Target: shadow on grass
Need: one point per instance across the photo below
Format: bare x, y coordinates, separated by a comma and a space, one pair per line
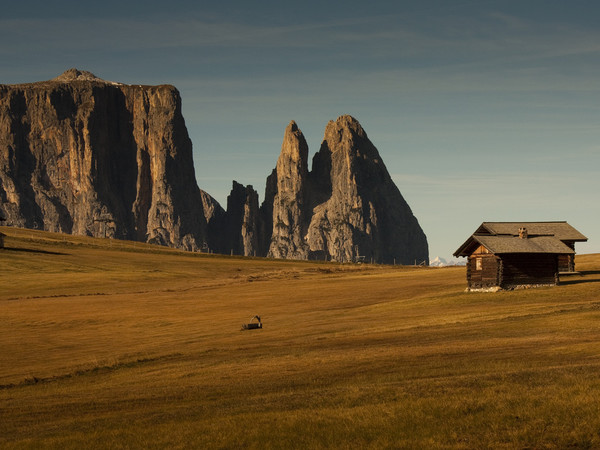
580, 278
30, 250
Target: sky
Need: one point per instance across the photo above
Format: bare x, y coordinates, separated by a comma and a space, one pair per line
481, 110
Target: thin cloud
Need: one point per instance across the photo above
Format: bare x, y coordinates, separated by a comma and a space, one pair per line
490, 35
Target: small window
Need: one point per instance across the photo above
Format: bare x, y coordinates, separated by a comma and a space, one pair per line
477, 263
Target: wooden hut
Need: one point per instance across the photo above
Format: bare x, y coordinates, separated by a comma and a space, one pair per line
509, 255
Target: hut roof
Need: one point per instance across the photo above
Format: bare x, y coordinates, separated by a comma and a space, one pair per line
514, 244
561, 230
503, 237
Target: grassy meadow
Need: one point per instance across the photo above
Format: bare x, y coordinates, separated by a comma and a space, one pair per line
109, 344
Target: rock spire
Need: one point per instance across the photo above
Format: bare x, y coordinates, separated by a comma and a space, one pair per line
289, 205
347, 208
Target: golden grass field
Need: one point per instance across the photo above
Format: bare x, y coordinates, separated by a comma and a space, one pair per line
109, 344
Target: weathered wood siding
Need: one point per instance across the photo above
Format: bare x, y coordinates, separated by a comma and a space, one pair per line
483, 271
566, 263
529, 269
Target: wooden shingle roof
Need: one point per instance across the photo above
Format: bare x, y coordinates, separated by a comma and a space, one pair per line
560, 230
514, 244
503, 237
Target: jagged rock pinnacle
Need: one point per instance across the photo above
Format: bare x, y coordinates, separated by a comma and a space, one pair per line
347, 207
289, 202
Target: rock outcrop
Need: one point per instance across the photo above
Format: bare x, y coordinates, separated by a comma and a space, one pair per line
242, 227
290, 212
346, 209
365, 215
85, 156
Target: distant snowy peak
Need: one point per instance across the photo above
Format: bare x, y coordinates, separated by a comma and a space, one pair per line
438, 261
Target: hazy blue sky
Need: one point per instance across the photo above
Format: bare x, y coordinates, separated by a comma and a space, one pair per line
481, 110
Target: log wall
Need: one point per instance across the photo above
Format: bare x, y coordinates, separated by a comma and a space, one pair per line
529, 270
566, 263
483, 271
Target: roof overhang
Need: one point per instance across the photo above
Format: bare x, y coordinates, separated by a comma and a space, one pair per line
559, 229
500, 245
465, 249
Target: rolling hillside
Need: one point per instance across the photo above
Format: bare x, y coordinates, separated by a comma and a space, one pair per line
125, 345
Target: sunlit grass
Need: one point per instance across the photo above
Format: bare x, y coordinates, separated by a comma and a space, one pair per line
122, 345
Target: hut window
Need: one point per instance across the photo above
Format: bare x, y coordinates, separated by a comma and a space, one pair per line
477, 263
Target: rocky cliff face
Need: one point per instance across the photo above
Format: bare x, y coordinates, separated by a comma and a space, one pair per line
290, 212
365, 214
347, 207
242, 222
84, 156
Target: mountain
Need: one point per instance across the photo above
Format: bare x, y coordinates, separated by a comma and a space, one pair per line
289, 206
438, 261
357, 210
87, 156
347, 208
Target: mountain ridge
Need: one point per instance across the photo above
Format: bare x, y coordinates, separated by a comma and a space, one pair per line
82, 155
